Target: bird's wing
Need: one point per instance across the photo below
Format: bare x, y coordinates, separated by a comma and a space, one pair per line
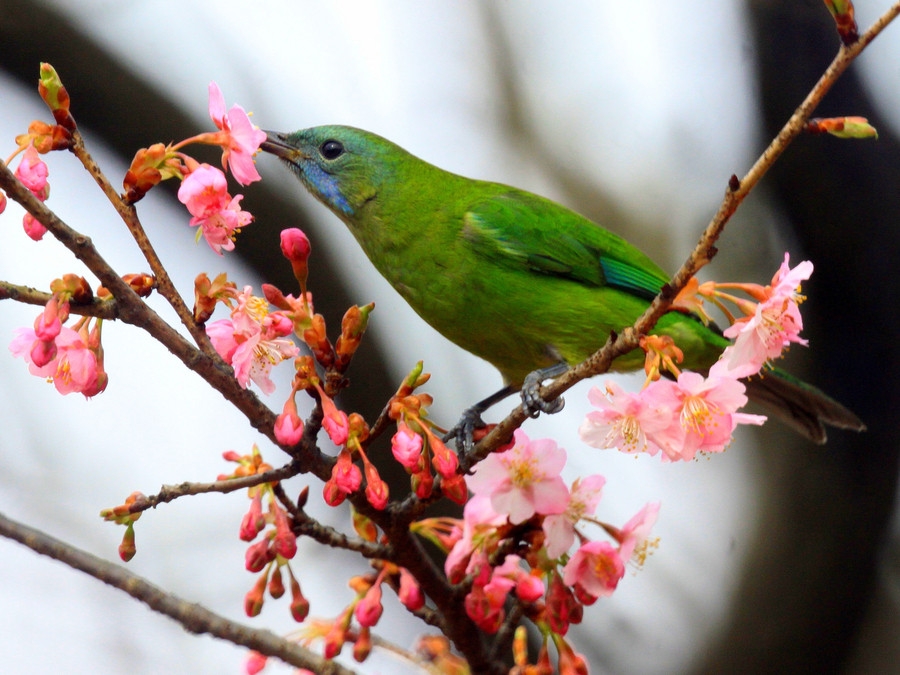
521, 229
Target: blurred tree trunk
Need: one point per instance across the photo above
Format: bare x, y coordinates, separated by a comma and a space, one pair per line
805, 594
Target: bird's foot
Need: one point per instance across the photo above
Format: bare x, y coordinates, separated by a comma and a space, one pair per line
463, 432
532, 400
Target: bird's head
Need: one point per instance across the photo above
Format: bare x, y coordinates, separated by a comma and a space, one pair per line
344, 168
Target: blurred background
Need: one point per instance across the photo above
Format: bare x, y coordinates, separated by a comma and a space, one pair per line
775, 556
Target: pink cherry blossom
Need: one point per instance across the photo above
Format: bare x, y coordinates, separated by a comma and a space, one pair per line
624, 420
73, 368
634, 536
775, 324
704, 413
251, 341
480, 523
596, 567
219, 216
523, 480
559, 530
346, 475
240, 138
288, 425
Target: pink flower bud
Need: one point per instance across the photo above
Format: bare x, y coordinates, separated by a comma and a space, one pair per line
258, 556
276, 585
363, 645
299, 604
369, 609
335, 421
377, 493
332, 494
444, 460
529, 587
2, 202
33, 228
288, 426
253, 521
345, 473
295, 245
410, 593
255, 663
455, 489
285, 542
406, 446
253, 601
422, 483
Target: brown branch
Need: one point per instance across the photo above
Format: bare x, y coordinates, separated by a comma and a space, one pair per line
628, 340
169, 493
102, 309
191, 616
304, 524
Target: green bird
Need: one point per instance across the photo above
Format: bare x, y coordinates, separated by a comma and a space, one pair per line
522, 282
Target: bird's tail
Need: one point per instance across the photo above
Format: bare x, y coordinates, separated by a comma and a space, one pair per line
800, 405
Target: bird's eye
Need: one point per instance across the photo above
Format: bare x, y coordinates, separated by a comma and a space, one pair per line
331, 149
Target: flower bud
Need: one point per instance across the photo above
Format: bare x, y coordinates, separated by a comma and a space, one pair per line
363, 645
258, 555
369, 609
276, 585
410, 593
296, 248
127, 548
254, 599
299, 604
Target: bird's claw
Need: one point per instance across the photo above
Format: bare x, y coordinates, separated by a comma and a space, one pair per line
463, 431
534, 403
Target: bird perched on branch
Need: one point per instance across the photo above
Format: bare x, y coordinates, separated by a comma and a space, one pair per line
516, 279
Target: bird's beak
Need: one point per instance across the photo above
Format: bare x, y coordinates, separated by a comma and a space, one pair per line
276, 144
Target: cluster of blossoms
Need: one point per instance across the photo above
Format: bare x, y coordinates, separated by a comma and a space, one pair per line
69, 357
204, 188
273, 551
517, 535
694, 413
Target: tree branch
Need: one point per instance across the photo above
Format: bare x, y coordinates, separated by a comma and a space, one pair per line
191, 616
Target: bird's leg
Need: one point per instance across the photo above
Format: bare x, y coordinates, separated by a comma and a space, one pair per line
531, 390
470, 420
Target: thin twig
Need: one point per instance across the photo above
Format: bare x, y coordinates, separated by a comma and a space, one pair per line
97, 307
191, 616
129, 216
169, 493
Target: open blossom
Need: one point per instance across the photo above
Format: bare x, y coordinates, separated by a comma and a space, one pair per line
240, 138
634, 536
480, 523
704, 413
775, 324
72, 368
523, 480
559, 529
596, 567
624, 420
252, 341
204, 192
